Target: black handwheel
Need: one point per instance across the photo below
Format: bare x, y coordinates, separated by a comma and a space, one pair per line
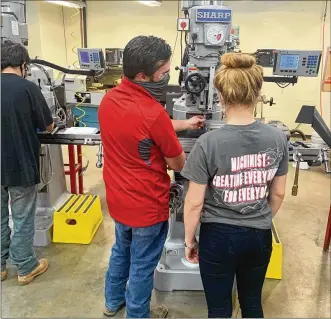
271, 101
195, 83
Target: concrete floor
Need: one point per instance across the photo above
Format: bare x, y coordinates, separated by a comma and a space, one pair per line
74, 284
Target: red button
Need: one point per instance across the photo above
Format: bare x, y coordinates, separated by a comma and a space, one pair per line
183, 25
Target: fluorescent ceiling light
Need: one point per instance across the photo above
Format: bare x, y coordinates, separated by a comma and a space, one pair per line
151, 3
70, 4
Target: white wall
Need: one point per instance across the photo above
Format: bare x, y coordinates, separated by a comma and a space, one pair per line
46, 32
33, 21
52, 33
45, 28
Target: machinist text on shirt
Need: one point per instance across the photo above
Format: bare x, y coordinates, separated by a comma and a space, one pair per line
249, 179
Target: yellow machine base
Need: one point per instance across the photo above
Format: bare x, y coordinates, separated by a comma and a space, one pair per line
275, 266
77, 220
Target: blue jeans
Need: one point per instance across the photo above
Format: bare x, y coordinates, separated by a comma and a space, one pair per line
23, 201
130, 276
227, 251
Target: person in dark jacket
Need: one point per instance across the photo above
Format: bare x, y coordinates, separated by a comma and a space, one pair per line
23, 111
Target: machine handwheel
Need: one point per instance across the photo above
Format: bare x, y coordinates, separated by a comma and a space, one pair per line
195, 83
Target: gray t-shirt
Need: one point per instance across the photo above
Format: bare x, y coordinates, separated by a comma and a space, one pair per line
238, 162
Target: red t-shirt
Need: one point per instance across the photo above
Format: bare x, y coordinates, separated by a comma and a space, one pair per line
136, 134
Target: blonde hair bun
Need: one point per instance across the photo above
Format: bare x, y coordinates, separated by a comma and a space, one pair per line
237, 60
239, 79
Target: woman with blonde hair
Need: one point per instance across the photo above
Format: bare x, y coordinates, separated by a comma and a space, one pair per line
237, 183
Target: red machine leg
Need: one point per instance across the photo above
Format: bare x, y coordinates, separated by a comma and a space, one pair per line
327, 233
75, 168
72, 169
80, 165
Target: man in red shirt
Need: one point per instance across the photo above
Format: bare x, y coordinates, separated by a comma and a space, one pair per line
139, 143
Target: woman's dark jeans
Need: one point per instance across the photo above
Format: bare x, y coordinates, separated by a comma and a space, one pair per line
226, 251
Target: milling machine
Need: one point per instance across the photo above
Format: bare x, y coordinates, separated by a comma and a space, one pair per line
209, 34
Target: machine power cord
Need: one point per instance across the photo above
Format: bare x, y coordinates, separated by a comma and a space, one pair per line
283, 85
181, 46
178, 13
43, 166
83, 98
322, 58
77, 106
296, 131
73, 49
62, 69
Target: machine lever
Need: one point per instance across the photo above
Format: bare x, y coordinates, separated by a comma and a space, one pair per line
296, 178
326, 160
271, 101
100, 156
55, 130
84, 169
195, 83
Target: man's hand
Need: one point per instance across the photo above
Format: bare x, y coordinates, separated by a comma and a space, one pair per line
192, 255
195, 122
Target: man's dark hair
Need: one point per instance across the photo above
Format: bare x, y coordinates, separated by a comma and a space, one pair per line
145, 54
13, 54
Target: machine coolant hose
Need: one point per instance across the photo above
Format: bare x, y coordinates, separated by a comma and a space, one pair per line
62, 69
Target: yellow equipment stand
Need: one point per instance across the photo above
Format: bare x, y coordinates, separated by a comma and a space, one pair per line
77, 220
276, 261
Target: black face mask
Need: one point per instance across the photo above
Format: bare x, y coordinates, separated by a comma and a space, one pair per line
156, 89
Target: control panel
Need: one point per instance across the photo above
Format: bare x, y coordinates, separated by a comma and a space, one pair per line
91, 59
265, 57
297, 63
114, 56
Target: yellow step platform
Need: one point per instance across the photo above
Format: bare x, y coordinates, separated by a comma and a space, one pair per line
77, 220
276, 261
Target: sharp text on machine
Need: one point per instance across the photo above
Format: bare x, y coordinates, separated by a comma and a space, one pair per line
213, 15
